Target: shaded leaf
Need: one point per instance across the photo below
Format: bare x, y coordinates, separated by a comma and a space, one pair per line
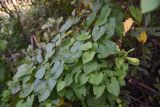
136, 13
68, 80
114, 87
90, 66
102, 18
96, 78
60, 85
3, 44
98, 91
83, 79
106, 48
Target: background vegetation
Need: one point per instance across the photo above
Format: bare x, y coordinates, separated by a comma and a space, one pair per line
71, 53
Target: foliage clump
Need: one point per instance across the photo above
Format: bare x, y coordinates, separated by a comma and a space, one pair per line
80, 59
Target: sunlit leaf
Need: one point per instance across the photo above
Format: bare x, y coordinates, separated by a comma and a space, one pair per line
86, 46
88, 56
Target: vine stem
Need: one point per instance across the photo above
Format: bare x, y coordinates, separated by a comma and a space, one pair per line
135, 82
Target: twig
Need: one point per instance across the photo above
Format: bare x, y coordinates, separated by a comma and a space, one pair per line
131, 81
135, 99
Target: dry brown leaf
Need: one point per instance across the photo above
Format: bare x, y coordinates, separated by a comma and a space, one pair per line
127, 25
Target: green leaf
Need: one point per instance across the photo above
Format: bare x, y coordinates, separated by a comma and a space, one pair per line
86, 46
83, 36
26, 90
26, 78
20, 104
69, 94
44, 95
76, 46
49, 50
60, 85
40, 73
97, 5
76, 78
98, 32
88, 56
51, 84
136, 13
99, 102
29, 101
106, 48
57, 69
2, 72
133, 61
110, 27
114, 87
3, 44
90, 19
68, 24
119, 62
23, 70
149, 5
147, 19
96, 78
103, 17
42, 89
90, 66
83, 79
14, 87
98, 90
80, 92
68, 80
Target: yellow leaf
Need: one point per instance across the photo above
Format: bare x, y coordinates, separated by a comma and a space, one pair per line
127, 25
142, 38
